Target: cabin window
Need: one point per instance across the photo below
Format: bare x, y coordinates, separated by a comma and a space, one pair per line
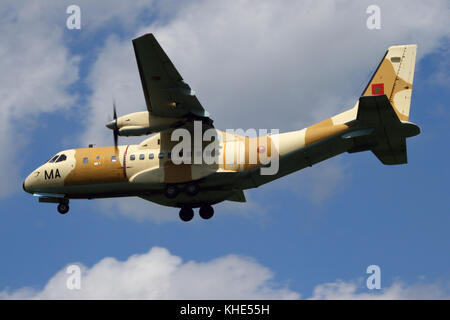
132, 157
53, 159
62, 158
86, 160
113, 158
161, 155
141, 156
151, 156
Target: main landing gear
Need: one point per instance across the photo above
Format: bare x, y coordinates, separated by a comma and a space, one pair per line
171, 191
206, 212
192, 188
186, 214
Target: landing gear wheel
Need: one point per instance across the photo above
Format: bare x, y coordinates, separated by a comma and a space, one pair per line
63, 208
171, 191
192, 188
186, 214
206, 211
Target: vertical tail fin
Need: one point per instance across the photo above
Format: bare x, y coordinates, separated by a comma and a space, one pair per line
381, 113
394, 78
384, 106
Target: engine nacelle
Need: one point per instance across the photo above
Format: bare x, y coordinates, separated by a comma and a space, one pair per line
142, 123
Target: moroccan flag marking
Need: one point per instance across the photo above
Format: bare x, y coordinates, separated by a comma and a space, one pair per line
377, 88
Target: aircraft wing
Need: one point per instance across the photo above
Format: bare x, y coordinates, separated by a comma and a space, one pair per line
165, 92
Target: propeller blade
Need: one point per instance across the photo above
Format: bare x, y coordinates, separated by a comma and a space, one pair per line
113, 125
116, 138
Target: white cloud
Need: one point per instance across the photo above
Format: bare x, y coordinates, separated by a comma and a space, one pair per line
138, 209
286, 64
263, 63
441, 76
266, 64
158, 274
326, 179
37, 67
114, 76
252, 63
318, 183
341, 290
161, 275
36, 71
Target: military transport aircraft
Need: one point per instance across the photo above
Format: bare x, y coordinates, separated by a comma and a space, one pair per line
378, 122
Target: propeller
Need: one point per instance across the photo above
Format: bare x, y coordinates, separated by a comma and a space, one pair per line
113, 125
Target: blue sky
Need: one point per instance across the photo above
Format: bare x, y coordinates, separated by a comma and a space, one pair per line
322, 225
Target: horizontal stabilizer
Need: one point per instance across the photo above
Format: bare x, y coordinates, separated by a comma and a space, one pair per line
390, 133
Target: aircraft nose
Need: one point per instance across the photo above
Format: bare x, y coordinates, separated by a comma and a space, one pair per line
27, 185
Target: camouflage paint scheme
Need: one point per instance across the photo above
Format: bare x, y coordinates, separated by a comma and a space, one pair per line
378, 122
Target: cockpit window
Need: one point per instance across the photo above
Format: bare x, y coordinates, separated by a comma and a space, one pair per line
53, 159
61, 158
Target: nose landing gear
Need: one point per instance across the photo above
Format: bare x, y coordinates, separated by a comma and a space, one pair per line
63, 207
